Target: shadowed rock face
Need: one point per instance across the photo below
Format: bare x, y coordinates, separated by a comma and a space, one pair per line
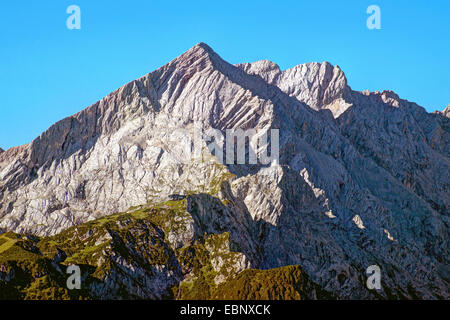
363, 177
167, 251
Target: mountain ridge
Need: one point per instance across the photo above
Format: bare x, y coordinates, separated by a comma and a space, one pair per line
355, 186
202, 49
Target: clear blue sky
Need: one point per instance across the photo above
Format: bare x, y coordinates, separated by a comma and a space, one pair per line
48, 72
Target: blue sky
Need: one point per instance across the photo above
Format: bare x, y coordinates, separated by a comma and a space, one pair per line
48, 72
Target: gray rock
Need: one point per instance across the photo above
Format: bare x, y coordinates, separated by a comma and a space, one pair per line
445, 112
363, 176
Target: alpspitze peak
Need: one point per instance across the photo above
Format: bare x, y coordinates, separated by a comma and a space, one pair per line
201, 49
204, 46
200, 52
355, 188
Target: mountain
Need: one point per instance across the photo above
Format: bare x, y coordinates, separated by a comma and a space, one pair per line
149, 252
445, 112
363, 177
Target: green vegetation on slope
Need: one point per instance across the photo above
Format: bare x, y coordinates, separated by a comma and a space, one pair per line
285, 283
122, 255
199, 259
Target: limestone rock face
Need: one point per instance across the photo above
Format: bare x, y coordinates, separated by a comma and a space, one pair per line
445, 112
363, 177
319, 85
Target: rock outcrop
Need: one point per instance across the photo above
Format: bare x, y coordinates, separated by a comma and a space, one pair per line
363, 177
149, 252
445, 112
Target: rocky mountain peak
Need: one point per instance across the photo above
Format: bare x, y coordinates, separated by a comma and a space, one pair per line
446, 111
201, 46
266, 69
200, 53
388, 97
316, 84
348, 192
319, 85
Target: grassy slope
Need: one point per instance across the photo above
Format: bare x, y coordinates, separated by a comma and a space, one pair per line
89, 245
285, 283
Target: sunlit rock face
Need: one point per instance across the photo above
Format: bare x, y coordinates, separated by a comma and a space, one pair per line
363, 177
